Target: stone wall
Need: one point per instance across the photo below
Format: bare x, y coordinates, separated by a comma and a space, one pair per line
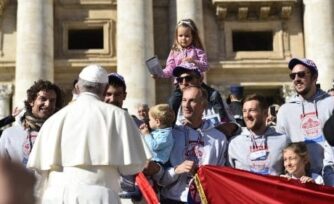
258, 70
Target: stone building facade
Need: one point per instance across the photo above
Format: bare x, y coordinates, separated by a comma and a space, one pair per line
248, 42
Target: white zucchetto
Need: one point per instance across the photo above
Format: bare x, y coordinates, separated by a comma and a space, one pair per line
94, 73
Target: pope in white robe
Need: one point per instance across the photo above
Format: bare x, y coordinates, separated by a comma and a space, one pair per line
82, 149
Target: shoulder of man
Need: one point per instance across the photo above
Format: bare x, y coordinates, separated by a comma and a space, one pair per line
244, 133
213, 95
272, 133
13, 134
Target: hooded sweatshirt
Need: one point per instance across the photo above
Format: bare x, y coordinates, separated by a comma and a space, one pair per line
242, 155
303, 120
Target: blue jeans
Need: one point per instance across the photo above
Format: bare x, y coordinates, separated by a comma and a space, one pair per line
328, 175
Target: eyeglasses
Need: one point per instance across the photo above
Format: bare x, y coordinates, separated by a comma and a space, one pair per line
301, 74
187, 78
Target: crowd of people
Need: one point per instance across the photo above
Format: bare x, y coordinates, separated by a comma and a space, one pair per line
90, 150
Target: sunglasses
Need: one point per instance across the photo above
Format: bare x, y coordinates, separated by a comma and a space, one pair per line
299, 74
187, 78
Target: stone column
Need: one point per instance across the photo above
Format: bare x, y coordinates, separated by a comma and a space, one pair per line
319, 38
6, 91
3, 4
134, 45
192, 9
34, 55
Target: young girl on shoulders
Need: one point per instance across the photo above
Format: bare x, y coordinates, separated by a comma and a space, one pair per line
297, 165
187, 47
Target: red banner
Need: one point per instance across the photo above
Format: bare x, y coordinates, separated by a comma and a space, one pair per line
146, 189
227, 185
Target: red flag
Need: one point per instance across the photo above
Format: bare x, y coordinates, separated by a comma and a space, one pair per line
227, 185
146, 189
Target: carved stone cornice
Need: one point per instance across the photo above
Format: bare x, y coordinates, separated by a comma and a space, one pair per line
88, 2
253, 9
3, 4
6, 89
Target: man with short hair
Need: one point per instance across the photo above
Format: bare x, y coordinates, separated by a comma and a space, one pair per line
116, 91
188, 74
196, 143
235, 104
142, 110
43, 99
258, 148
142, 113
303, 117
82, 150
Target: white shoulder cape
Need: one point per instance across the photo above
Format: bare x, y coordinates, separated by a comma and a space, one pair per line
88, 132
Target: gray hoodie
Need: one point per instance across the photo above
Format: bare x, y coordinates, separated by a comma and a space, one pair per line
303, 120
239, 152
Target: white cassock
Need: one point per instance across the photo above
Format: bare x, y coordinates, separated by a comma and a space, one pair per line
82, 149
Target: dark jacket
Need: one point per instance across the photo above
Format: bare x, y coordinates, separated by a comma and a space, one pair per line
7, 120
329, 130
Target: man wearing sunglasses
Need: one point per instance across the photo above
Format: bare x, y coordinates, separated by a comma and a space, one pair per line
303, 117
188, 74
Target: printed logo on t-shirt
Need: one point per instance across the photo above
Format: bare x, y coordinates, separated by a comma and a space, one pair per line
311, 127
259, 160
194, 151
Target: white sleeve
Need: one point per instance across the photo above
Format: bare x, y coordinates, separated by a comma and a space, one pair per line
280, 126
3, 145
131, 169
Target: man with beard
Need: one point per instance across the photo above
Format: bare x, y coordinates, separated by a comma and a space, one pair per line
142, 113
116, 91
43, 100
303, 117
258, 148
115, 95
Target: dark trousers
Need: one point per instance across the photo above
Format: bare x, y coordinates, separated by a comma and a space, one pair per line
170, 201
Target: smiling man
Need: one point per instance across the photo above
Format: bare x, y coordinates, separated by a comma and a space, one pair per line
188, 74
81, 150
196, 143
303, 117
116, 91
43, 100
258, 148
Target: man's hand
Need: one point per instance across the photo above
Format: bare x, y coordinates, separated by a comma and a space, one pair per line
16, 111
151, 168
186, 167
